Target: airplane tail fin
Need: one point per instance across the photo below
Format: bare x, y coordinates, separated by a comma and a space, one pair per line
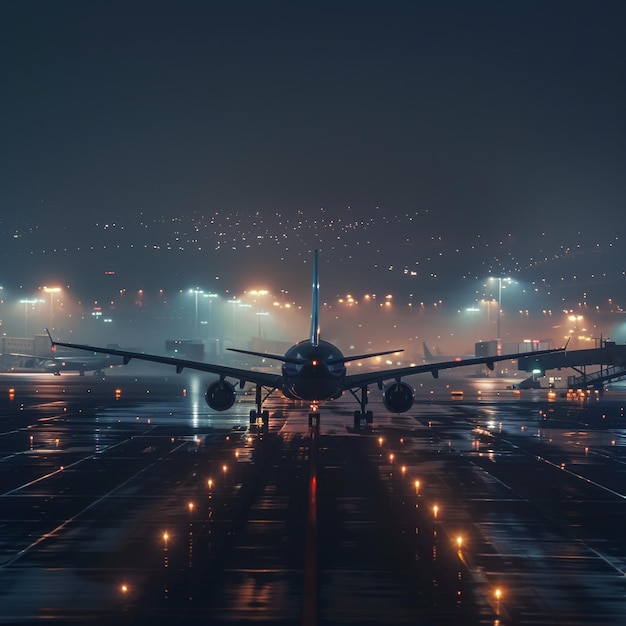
427, 353
315, 305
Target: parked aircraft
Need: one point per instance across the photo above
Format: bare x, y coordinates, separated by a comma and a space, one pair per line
313, 370
429, 357
58, 364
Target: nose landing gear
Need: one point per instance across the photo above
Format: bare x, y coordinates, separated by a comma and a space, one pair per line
264, 415
314, 416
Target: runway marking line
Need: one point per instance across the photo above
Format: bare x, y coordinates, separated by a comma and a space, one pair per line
309, 596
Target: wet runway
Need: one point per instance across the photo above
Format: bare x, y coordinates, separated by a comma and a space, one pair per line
128, 501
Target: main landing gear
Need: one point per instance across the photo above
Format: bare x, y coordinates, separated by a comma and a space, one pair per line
359, 416
362, 414
259, 412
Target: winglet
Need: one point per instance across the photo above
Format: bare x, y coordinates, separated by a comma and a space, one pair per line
315, 305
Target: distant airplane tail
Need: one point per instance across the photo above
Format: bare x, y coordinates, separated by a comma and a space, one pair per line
315, 305
314, 336
427, 353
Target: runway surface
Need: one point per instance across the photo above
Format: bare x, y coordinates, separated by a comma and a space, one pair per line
128, 501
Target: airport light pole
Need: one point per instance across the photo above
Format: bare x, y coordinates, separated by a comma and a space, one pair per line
473, 310
508, 281
499, 337
52, 291
487, 304
26, 302
261, 314
196, 291
210, 296
246, 306
235, 302
259, 293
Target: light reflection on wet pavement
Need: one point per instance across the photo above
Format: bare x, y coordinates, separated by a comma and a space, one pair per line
129, 501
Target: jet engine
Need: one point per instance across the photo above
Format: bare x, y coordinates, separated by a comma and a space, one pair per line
220, 395
398, 397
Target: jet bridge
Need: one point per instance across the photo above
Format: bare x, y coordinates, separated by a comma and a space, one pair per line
607, 363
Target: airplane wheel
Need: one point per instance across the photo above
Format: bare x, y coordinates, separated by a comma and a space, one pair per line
369, 417
310, 419
265, 416
253, 416
357, 420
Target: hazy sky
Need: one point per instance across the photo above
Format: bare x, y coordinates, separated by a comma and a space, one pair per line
489, 108
469, 139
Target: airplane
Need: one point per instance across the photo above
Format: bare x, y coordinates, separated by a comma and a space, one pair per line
313, 370
58, 364
438, 357
429, 357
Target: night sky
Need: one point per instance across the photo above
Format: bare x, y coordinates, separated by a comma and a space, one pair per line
498, 122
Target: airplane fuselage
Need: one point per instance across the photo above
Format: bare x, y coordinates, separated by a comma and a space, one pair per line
320, 375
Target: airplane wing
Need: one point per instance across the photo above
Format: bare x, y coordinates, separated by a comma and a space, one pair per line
243, 375
369, 378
